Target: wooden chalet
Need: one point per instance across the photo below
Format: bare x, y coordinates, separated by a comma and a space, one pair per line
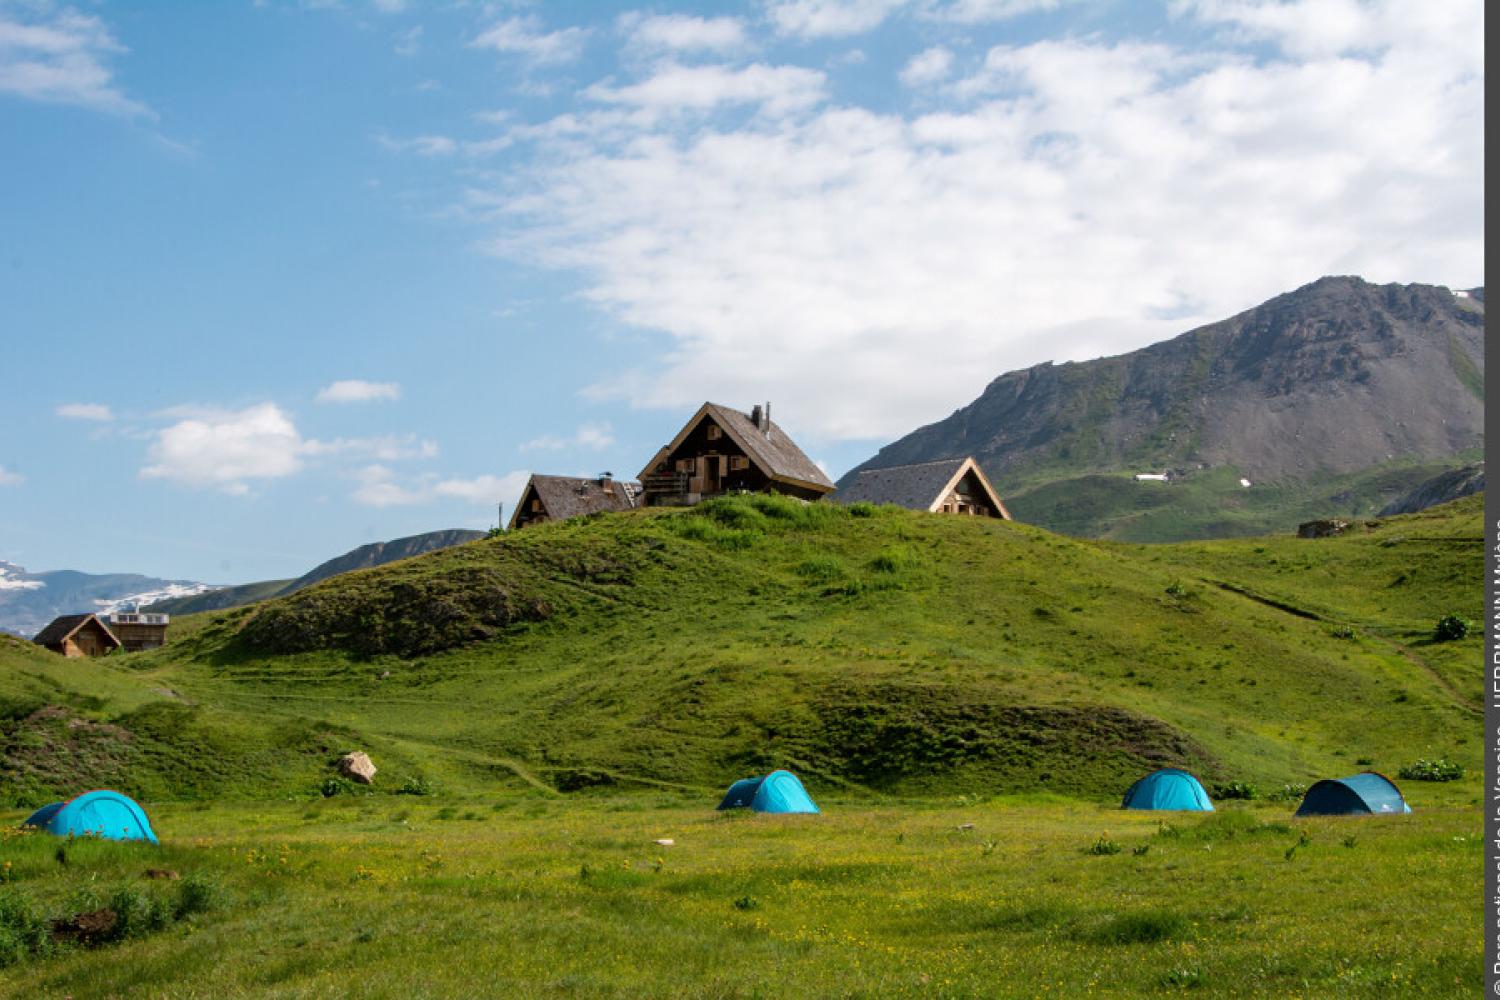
78, 635
557, 498
721, 450
138, 630
949, 486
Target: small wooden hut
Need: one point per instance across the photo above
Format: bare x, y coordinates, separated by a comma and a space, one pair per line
557, 498
949, 486
78, 635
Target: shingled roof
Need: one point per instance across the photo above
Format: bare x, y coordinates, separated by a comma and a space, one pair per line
571, 496
62, 628
771, 449
916, 487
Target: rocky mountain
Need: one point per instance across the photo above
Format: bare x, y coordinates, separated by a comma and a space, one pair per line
364, 557
1334, 398
1441, 488
28, 601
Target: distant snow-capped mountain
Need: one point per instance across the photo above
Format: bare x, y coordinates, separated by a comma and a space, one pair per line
28, 601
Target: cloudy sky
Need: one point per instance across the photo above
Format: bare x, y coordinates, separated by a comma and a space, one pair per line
279, 278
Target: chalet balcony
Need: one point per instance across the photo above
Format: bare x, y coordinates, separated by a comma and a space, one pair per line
666, 488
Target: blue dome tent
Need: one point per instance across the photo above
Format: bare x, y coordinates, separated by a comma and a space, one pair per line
777, 792
1362, 794
99, 814
1169, 788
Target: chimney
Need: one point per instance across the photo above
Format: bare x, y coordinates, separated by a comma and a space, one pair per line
607, 481
767, 412
755, 414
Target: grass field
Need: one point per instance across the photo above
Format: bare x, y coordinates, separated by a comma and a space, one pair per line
535, 894
566, 695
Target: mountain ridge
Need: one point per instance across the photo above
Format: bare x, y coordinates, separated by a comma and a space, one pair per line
1334, 379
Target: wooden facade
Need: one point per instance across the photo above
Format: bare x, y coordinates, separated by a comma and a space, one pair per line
78, 636
722, 450
138, 630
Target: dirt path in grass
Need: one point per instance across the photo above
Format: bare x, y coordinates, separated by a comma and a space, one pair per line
1458, 697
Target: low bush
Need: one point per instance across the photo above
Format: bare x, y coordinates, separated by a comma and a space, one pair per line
23, 929
1236, 790
1450, 627
1441, 769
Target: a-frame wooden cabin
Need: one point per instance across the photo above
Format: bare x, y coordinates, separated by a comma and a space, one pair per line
722, 450
557, 498
948, 486
78, 635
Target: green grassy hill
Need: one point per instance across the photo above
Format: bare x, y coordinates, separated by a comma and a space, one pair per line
871, 649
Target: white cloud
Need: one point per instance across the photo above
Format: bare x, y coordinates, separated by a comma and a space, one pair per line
386, 448
928, 67
61, 56
378, 486
408, 41
1072, 198
487, 490
85, 411
594, 436
525, 37
10, 478
779, 89
983, 11
228, 449
224, 449
684, 33
358, 391
829, 18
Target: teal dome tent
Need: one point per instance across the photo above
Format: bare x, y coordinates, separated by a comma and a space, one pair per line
95, 814
1359, 795
1168, 788
777, 792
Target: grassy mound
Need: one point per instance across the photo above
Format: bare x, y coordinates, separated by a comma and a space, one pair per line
871, 649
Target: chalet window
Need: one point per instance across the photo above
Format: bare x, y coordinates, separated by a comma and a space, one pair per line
536, 505
713, 432
947, 508
686, 464
737, 462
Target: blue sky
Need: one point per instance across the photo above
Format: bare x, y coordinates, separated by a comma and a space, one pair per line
281, 278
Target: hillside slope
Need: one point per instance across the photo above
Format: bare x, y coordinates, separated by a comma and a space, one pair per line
364, 557
872, 649
1335, 397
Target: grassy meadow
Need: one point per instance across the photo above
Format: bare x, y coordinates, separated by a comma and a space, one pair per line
544, 706
538, 894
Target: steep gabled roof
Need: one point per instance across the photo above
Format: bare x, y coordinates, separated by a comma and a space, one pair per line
776, 454
571, 496
917, 487
62, 628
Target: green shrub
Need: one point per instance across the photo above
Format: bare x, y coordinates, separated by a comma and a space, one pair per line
1450, 627
1441, 769
1289, 792
1103, 847
415, 785
137, 914
23, 929
862, 508
335, 786
1236, 790
197, 893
